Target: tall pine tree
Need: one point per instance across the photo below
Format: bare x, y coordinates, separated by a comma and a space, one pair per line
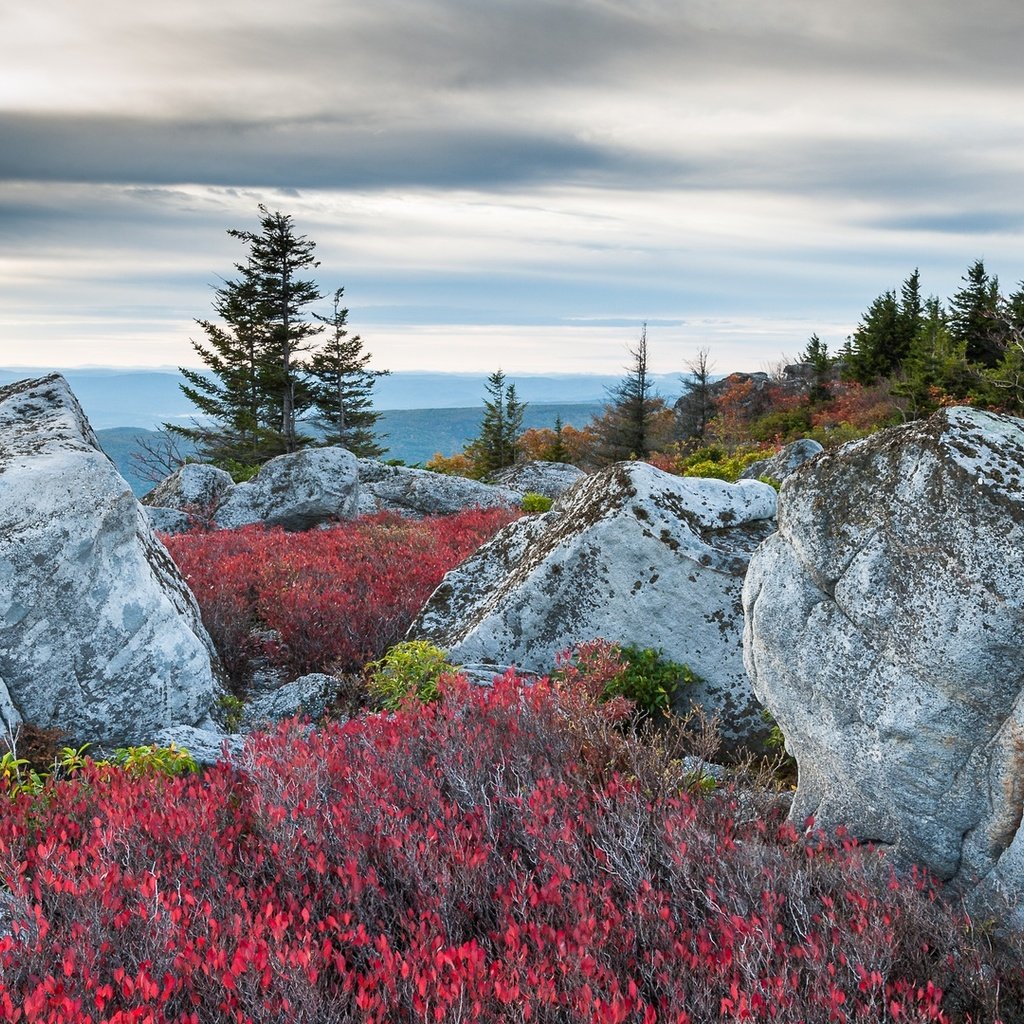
625, 430
279, 256
500, 428
974, 316
341, 387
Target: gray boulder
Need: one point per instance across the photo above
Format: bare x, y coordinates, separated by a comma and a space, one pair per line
195, 488
99, 634
883, 631
631, 554
308, 696
783, 462
418, 492
169, 520
297, 491
552, 479
206, 746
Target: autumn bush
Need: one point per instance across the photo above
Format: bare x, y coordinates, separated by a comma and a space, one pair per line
325, 598
473, 859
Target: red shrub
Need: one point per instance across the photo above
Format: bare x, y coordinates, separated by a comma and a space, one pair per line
452, 862
341, 595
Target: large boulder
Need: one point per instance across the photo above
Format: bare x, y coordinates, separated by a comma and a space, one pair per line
552, 479
418, 492
784, 462
883, 632
631, 554
99, 634
195, 488
296, 491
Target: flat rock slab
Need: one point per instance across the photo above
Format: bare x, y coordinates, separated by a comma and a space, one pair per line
418, 492
883, 631
99, 634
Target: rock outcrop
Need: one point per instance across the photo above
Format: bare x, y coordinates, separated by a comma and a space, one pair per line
297, 491
883, 632
418, 492
631, 554
194, 488
552, 479
783, 462
99, 634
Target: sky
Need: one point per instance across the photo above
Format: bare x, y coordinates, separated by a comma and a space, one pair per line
514, 183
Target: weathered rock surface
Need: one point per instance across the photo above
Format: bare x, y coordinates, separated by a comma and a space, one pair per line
783, 462
308, 696
206, 746
883, 632
551, 479
195, 488
631, 554
418, 492
297, 491
169, 520
98, 632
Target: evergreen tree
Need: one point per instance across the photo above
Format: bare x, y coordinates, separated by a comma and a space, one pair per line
886, 333
253, 389
625, 429
278, 256
816, 353
231, 395
974, 315
1007, 377
874, 340
495, 448
558, 452
341, 387
696, 406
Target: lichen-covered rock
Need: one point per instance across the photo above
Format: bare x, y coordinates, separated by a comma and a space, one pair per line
784, 462
418, 492
206, 746
552, 479
308, 696
169, 520
194, 487
631, 554
297, 491
883, 632
99, 634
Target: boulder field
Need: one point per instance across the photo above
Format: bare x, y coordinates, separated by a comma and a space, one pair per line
883, 629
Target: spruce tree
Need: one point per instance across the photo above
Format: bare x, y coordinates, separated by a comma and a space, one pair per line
341, 387
501, 426
973, 316
279, 256
253, 390
624, 430
816, 353
696, 406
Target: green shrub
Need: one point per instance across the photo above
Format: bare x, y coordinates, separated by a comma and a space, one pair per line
649, 679
409, 669
241, 472
153, 760
533, 502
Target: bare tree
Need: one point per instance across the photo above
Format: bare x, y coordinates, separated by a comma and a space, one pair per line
157, 455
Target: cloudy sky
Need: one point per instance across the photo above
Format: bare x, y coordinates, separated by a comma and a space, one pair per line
513, 182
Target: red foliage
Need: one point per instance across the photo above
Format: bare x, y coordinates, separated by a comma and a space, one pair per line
452, 862
862, 407
338, 596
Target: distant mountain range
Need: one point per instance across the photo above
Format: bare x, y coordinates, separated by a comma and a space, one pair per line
149, 398
422, 412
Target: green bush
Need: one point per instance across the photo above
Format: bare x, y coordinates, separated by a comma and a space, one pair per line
146, 761
409, 669
649, 679
715, 463
533, 502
